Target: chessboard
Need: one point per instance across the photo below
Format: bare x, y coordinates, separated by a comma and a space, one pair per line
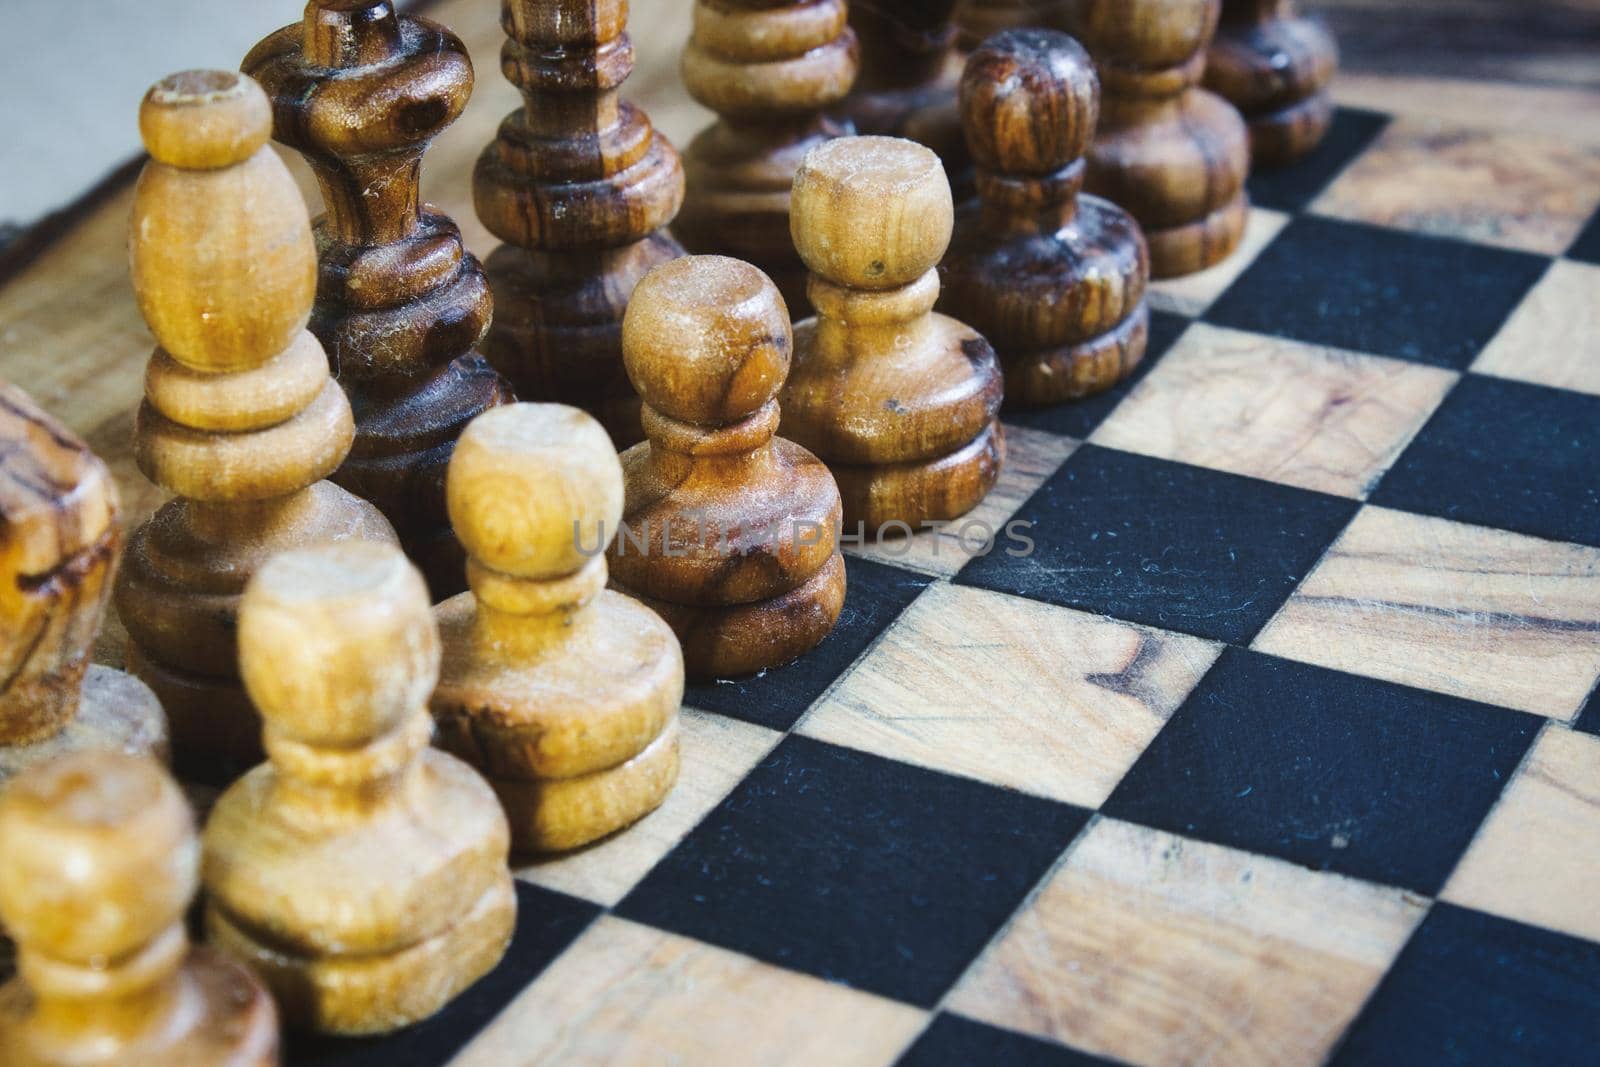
1252, 719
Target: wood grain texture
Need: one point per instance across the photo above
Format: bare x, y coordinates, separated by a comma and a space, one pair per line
1553, 338
1158, 950
1274, 64
625, 993
1478, 613
1023, 695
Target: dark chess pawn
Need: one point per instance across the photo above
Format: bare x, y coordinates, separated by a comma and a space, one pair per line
740, 169
98, 863
580, 187
1275, 65
729, 533
1054, 279
360, 91
1173, 154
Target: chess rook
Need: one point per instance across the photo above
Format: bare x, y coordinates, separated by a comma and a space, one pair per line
241, 418
1054, 279
98, 864
59, 543
728, 532
361, 873
564, 694
900, 401
360, 92
579, 186
1174, 155
769, 71
1274, 65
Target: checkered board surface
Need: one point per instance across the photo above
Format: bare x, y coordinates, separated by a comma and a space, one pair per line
1279, 748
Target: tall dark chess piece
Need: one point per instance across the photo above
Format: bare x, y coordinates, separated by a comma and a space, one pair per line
1053, 279
1171, 153
580, 187
769, 71
1275, 65
360, 91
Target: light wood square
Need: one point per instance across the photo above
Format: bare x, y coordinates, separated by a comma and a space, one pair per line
1553, 338
1300, 414
1518, 190
1157, 950
1479, 613
1537, 857
1043, 699
716, 753
1031, 457
1193, 293
629, 994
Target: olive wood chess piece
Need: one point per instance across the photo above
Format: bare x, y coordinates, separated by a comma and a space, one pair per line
98, 864
361, 873
729, 533
770, 71
1171, 153
360, 92
900, 401
241, 418
1054, 279
1274, 65
580, 187
562, 693
59, 543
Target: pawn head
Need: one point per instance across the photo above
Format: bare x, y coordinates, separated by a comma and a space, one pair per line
706, 340
1029, 102
337, 644
204, 119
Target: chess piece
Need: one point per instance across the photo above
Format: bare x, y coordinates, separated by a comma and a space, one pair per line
769, 71
97, 865
1274, 65
360, 91
979, 20
241, 418
561, 692
361, 873
580, 187
1171, 153
59, 542
1053, 279
729, 533
901, 402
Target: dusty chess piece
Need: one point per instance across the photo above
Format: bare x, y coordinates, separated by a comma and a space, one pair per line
241, 419
59, 543
1054, 279
979, 20
769, 71
564, 694
1274, 65
360, 92
1173, 154
580, 187
901, 402
361, 873
729, 533
97, 865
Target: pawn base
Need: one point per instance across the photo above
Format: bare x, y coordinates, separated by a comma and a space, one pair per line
116, 711
933, 490
1072, 372
214, 728
1179, 250
1289, 135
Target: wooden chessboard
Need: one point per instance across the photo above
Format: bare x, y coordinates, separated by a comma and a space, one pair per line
1279, 747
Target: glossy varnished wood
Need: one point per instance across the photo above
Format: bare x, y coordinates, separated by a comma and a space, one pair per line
580, 187
1274, 65
360, 91
1053, 278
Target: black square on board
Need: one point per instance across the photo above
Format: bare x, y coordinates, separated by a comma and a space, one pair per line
1381, 291
547, 922
856, 869
956, 1041
1079, 418
1505, 454
1589, 718
875, 595
1587, 246
1293, 187
1167, 544
1475, 990
1329, 770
